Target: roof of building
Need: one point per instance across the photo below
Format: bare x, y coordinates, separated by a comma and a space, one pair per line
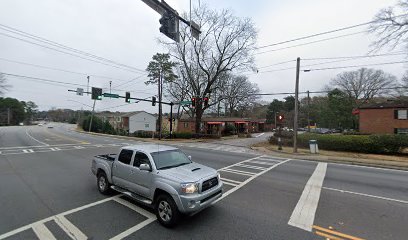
388, 104
224, 119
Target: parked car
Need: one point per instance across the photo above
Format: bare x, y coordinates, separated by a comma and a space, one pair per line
162, 177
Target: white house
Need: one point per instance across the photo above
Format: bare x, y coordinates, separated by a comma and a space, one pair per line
142, 121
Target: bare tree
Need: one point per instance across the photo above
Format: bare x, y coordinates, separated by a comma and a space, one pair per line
225, 45
4, 87
239, 92
391, 28
364, 84
402, 91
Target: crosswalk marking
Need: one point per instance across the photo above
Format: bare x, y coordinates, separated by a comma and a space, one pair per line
70, 228
251, 167
42, 232
230, 180
238, 172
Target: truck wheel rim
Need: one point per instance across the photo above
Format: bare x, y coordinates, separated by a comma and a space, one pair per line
102, 183
165, 212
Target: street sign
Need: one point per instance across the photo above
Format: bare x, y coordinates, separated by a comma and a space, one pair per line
185, 102
80, 91
111, 95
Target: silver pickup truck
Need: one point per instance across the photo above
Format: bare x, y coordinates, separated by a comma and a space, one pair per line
162, 177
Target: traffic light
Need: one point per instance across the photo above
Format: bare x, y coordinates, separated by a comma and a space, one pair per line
170, 25
153, 101
127, 98
205, 101
280, 117
193, 101
96, 93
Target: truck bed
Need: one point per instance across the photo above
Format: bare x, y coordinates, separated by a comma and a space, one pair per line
108, 157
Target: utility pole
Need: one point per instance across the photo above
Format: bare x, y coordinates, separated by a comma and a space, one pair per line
308, 111
160, 103
110, 88
295, 123
8, 116
87, 86
171, 120
274, 112
92, 114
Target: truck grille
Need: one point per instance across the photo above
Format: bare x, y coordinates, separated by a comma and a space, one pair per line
210, 183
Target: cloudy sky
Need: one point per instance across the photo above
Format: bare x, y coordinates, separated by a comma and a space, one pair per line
126, 31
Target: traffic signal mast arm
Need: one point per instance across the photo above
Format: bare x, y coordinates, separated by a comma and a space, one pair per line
162, 7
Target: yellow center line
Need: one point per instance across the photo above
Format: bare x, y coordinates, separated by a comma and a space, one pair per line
68, 138
327, 236
339, 234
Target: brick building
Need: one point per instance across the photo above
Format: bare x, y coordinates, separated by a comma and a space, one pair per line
218, 125
384, 118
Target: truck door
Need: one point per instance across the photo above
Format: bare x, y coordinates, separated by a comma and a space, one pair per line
141, 180
122, 168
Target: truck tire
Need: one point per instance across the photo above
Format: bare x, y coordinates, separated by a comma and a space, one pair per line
103, 183
166, 211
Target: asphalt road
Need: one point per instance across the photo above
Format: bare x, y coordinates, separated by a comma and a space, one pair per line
47, 191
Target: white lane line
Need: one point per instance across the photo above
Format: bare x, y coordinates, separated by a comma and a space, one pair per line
304, 213
259, 135
251, 167
263, 163
70, 228
238, 172
38, 146
42, 232
28, 150
269, 159
228, 183
366, 195
28, 226
134, 229
230, 180
248, 180
134, 207
45, 144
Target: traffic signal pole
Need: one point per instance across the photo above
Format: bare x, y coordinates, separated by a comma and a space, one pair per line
295, 123
92, 114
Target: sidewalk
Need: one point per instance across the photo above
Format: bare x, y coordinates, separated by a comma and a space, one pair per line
372, 160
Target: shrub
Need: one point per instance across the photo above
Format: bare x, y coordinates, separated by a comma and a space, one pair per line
379, 144
143, 134
184, 135
229, 130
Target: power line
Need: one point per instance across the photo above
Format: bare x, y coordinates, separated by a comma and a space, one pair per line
58, 45
352, 66
53, 82
59, 69
275, 64
358, 56
324, 33
312, 42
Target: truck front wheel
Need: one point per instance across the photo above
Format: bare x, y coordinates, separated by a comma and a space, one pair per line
166, 211
103, 183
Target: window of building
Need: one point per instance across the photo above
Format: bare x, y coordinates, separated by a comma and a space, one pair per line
118, 119
186, 125
401, 130
401, 114
147, 125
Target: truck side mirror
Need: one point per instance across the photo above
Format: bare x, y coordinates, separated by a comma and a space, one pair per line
145, 167
189, 157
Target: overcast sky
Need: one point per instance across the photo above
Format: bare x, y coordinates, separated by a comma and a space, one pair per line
126, 31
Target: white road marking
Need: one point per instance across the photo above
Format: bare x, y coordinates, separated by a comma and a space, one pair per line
45, 144
238, 172
249, 179
134, 207
228, 183
70, 228
230, 180
251, 167
42, 232
38, 146
28, 150
304, 213
259, 135
134, 229
367, 195
78, 147
263, 163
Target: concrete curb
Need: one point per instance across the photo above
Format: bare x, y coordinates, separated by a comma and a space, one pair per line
399, 165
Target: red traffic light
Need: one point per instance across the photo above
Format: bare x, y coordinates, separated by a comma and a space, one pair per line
205, 101
193, 102
281, 117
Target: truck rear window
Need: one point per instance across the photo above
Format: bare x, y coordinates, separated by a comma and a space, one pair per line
125, 156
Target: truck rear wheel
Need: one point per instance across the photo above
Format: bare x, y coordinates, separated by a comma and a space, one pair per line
103, 183
166, 211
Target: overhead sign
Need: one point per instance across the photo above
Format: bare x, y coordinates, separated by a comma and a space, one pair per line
185, 102
80, 91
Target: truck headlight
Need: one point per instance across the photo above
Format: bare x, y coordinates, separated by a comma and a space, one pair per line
189, 187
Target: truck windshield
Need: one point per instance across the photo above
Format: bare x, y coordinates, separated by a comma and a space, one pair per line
170, 159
